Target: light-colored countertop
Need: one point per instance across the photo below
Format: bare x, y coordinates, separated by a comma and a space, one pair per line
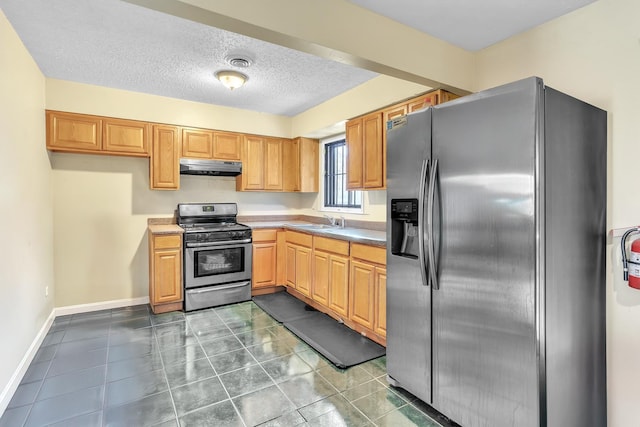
165, 229
352, 234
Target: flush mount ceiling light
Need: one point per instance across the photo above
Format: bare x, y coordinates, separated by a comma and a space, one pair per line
231, 79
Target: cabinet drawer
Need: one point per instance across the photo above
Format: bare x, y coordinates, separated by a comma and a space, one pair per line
167, 241
264, 235
331, 245
369, 253
299, 238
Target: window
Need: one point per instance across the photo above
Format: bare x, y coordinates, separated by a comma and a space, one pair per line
336, 195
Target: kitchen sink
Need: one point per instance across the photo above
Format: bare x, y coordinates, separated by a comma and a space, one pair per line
312, 226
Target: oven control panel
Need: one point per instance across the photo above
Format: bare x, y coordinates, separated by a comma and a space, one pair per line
217, 236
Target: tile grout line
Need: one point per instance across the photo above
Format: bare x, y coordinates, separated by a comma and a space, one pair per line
216, 372
164, 370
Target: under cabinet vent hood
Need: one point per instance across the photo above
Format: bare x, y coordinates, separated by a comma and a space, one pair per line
210, 167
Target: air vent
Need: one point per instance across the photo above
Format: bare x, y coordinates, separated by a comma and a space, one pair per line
239, 61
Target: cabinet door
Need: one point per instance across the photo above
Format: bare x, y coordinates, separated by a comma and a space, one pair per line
362, 296
393, 112
167, 273
264, 265
374, 151
197, 143
253, 163
291, 165
380, 327
308, 164
273, 165
127, 137
290, 270
226, 145
320, 286
303, 270
164, 165
339, 284
73, 132
354, 154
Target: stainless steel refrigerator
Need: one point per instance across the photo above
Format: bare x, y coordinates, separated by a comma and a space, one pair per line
496, 257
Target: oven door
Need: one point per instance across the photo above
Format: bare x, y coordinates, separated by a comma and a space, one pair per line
216, 263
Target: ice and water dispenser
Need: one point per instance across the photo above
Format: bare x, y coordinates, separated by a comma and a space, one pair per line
404, 227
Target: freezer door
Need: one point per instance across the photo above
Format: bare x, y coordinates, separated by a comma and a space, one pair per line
408, 299
484, 308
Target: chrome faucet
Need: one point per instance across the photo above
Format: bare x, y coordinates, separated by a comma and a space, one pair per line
331, 219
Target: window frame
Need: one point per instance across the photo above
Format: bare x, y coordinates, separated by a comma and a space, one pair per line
324, 207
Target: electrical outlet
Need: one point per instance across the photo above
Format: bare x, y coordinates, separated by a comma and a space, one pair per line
46, 291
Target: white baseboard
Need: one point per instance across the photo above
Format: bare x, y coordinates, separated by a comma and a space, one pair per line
104, 305
14, 382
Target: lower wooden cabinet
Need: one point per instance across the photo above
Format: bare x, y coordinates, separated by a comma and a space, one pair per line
265, 258
330, 285
165, 272
362, 298
380, 285
368, 283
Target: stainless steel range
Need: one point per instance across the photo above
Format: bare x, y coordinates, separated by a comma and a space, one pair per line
216, 255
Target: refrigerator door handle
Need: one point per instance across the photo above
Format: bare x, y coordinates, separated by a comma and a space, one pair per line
421, 215
433, 274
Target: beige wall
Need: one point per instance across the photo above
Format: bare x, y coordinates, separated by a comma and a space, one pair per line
26, 220
594, 54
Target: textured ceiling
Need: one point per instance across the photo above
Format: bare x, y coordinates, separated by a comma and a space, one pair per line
116, 44
121, 45
472, 24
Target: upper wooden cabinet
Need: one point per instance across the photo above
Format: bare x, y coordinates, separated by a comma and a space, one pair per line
226, 145
208, 144
367, 140
197, 143
126, 137
273, 164
82, 133
164, 167
300, 165
365, 152
73, 132
261, 164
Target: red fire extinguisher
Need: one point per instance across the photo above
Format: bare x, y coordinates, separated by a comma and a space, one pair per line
631, 268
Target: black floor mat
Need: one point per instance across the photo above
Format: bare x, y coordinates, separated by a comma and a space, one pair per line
343, 346
282, 306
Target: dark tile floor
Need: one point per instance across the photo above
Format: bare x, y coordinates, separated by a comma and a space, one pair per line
228, 366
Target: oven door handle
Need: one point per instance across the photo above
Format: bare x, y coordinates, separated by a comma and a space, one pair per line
218, 287
225, 243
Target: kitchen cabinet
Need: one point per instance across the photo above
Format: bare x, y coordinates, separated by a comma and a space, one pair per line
366, 153
126, 137
83, 133
226, 145
367, 282
298, 262
264, 270
367, 142
273, 164
300, 162
165, 272
380, 285
330, 285
209, 144
164, 167
261, 164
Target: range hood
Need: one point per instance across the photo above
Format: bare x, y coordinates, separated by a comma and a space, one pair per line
210, 167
